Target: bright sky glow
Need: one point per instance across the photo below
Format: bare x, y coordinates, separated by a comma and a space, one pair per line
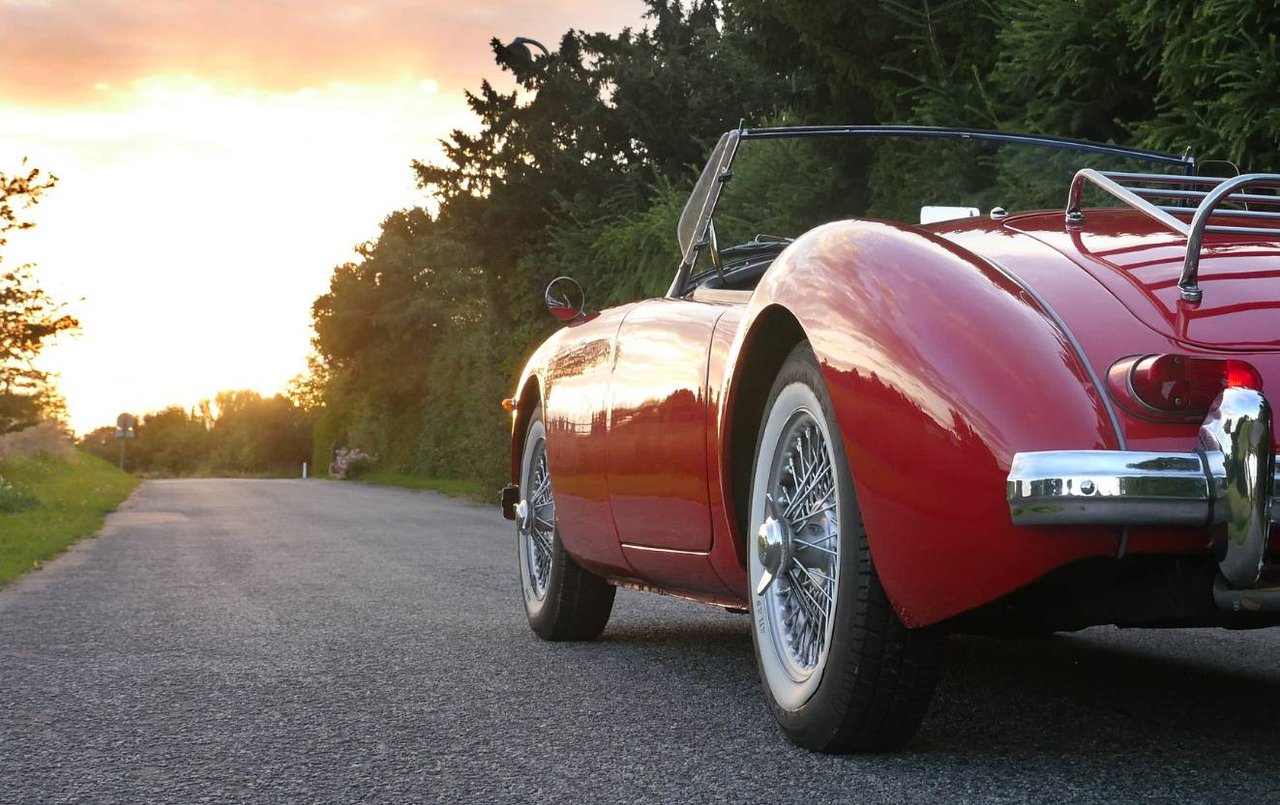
199, 213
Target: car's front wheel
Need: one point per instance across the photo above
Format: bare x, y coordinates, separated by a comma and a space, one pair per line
562, 600
840, 671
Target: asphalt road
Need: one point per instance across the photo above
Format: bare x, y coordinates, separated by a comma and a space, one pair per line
315, 641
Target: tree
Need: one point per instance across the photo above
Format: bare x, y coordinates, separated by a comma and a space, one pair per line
582, 170
239, 432
1170, 76
253, 434
878, 61
169, 442
102, 443
29, 318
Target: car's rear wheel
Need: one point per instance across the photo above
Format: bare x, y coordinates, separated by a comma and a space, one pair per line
840, 671
561, 600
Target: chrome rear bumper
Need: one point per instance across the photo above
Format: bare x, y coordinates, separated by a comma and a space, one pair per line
1228, 480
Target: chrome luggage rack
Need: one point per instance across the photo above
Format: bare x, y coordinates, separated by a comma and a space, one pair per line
1196, 197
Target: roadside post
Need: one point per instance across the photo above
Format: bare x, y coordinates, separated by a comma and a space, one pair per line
126, 428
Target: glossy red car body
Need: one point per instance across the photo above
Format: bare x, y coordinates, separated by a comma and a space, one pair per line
946, 349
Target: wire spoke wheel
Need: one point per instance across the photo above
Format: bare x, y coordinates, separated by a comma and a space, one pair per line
801, 602
538, 523
841, 673
561, 599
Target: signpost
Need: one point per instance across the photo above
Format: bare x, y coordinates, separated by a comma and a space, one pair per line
126, 428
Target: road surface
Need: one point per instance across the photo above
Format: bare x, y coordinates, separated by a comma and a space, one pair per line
230, 640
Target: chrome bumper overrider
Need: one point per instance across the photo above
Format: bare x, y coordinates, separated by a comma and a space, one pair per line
1229, 480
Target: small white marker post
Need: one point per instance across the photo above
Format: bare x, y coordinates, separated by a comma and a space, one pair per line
304, 470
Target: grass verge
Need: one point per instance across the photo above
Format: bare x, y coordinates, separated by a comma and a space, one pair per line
48, 503
473, 491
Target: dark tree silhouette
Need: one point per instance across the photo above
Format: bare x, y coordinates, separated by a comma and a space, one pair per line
29, 318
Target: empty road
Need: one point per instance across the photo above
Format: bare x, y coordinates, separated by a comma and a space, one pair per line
315, 641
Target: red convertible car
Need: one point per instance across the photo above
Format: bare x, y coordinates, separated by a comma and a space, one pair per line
915, 396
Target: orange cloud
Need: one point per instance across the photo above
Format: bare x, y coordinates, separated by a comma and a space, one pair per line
57, 52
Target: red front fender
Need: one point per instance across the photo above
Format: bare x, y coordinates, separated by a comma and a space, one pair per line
940, 367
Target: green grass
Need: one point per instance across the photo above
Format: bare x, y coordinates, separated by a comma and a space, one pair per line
453, 487
49, 503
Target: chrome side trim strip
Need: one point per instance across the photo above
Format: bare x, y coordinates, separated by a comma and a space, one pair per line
1075, 348
670, 551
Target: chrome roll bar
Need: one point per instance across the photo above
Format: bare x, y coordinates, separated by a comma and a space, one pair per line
1208, 193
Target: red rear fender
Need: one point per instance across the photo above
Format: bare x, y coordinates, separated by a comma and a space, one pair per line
940, 367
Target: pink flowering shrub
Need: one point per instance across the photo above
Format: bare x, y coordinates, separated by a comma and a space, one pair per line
349, 462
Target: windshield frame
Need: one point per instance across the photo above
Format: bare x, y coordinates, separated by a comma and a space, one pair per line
696, 218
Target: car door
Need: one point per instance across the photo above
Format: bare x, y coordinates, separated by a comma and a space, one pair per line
576, 417
644, 444
658, 419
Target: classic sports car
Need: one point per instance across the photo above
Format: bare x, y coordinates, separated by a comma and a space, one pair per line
983, 415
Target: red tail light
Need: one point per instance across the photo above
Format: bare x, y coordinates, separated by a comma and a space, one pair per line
1176, 386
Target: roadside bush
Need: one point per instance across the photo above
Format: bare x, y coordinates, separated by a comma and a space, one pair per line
44, 439
13, 499
350, 462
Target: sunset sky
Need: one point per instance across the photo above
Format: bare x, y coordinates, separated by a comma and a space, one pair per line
218, 159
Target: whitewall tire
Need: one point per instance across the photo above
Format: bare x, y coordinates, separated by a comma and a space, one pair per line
840, 671
562, 601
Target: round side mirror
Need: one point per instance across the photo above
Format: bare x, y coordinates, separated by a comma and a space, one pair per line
565, 299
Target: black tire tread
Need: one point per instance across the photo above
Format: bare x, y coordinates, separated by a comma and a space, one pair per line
878, 695
890, 688
582, 601
578, 603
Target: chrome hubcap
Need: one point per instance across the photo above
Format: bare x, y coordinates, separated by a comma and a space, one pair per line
536, 521
773, 545
798, 546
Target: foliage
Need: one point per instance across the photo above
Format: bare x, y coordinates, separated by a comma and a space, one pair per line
62, 499
462, 423
885, 61
325, 436
237, 433
306, 390
256, 434
29, 317
43, 440
635, 242
14, 500
169, 442
1216, 67
583, 169
1164, 75
1067, 67
350, 462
